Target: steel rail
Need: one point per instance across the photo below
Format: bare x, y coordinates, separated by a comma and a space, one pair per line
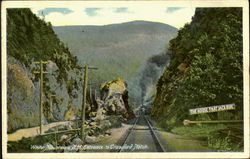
156, 139
128, 134
157, 142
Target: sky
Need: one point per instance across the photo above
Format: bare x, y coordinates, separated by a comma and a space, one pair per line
77, 15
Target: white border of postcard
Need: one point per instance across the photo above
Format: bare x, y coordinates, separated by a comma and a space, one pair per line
178, 3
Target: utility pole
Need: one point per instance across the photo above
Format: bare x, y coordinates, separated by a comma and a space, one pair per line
41, 72
84, 102
90, 95
51, 105
95, 95
90, 92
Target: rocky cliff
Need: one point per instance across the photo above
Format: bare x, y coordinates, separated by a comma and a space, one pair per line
30, 39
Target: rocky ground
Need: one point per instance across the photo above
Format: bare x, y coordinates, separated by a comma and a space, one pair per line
70, 141
105, 115
107, 122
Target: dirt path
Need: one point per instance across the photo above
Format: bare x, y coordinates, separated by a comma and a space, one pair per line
35, 131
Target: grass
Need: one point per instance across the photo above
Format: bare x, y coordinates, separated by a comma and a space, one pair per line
197, 131
25, 144
213, 135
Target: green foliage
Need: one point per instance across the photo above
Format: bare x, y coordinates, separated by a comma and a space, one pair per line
197, 131
211, 136
31, 39
211, 48
224, 143
24, 145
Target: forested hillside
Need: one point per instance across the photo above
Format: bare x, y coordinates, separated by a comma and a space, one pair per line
30, 39
205, 69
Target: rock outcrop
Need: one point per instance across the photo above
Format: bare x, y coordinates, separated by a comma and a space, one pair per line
114, 95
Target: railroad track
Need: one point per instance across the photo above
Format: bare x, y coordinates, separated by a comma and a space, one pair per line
141, 138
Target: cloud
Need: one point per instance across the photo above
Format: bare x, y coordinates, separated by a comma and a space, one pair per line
173, 9
92, 11
47, 11
121, 10
180, 17
78, 15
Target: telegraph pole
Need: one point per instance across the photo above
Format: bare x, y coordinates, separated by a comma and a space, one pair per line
95, 95
90, 91
41, 72
90, 95
51, 105
84, 102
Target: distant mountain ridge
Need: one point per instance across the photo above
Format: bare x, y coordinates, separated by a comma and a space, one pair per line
118, 50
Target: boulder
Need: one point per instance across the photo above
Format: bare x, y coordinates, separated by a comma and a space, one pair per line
63, 138
93, 124
70, 114
100, 115
92, 114
108, 132
77, 141
118, 86
99, 102
90, 139
115, 98
48, 147
104, 124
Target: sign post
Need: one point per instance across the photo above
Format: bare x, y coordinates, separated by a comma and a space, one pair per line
212, 109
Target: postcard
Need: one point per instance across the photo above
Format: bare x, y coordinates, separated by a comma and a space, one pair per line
125, 79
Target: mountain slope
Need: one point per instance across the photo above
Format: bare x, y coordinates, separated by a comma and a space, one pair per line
206, 69
206, 66
118, 50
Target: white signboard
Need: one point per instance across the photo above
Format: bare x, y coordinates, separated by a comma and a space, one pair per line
211, 109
